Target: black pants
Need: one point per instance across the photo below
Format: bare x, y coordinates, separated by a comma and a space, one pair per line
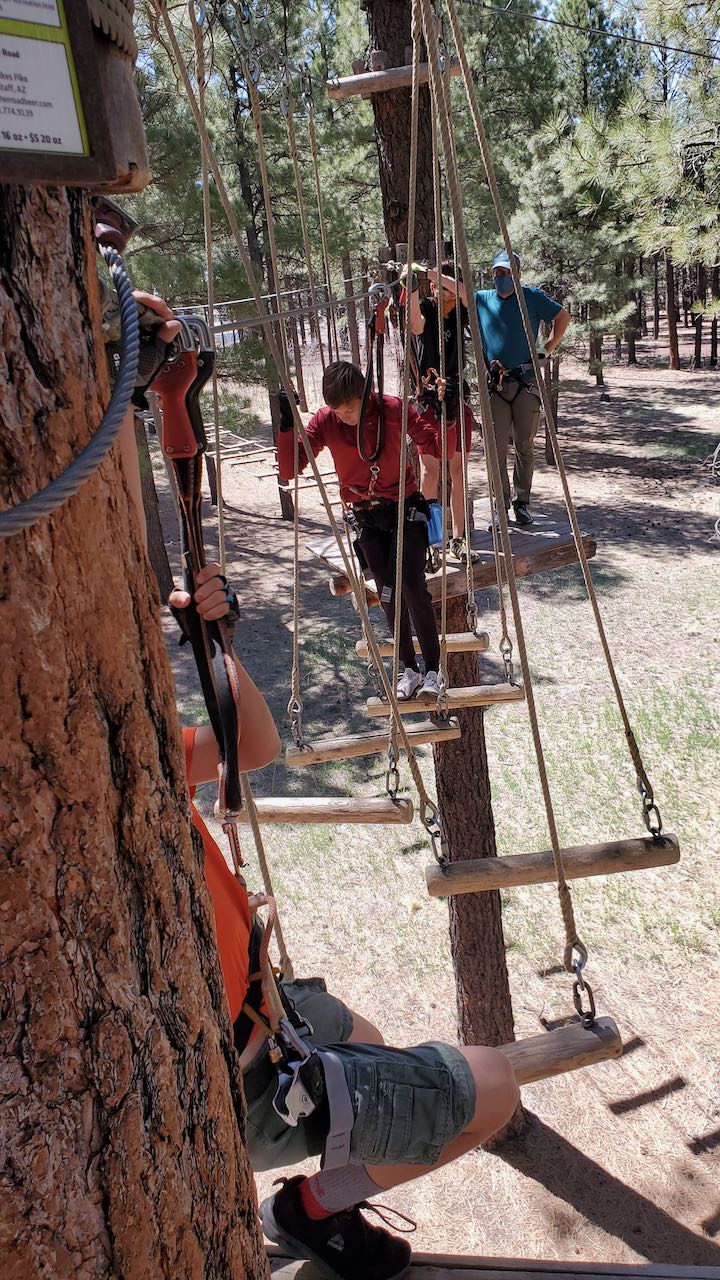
379, 547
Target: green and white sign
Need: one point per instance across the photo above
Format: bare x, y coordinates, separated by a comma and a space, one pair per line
40, 108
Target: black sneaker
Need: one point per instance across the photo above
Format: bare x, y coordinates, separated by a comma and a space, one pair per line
522, 515
343, 1247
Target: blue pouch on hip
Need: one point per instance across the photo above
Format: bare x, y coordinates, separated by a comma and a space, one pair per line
435, 524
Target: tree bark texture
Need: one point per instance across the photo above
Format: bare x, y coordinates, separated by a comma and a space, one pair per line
389, 29
122, 1149
484, 1006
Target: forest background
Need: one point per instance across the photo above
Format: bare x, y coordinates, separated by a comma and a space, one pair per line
603, 122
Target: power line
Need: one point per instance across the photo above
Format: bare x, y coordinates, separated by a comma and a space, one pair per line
594, 31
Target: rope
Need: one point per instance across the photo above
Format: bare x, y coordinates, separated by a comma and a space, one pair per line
201, 81
312, 134
295, 705
650, 812
471, 610
437, 212
56, 494
269, 220
575, 953
400, 536
249, 802
115, 19
302, 213
429, 813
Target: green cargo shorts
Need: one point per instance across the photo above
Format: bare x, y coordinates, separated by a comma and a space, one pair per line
408, 1103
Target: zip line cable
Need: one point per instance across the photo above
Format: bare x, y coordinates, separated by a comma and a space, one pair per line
507, 12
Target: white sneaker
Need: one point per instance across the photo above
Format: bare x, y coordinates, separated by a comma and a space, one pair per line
408, 684
432, 686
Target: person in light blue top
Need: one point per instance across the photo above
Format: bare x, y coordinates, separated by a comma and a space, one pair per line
514, 395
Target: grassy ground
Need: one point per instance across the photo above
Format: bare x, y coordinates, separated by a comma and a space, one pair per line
619, 1163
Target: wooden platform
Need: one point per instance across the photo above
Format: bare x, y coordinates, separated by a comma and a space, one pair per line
457, 642
352, 745
479, 695
545, 545
331, 810
579, 861
444, 1266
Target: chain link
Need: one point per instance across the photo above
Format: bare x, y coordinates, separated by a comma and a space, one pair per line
392, 772
506, 652
582, 988
432, 822
295, 712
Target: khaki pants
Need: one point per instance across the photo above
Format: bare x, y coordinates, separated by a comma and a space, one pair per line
516, 416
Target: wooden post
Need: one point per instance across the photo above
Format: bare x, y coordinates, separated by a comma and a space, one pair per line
287, 506
656, 299
715, 294
698, 318
547, 375
350, 305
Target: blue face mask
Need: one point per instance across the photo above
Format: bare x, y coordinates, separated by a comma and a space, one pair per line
503, 285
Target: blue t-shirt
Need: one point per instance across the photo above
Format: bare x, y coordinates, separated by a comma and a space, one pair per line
501, 324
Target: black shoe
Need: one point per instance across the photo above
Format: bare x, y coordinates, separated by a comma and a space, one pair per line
343, 1247
522, 515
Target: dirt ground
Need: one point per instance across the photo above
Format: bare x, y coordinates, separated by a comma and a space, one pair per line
621, 1162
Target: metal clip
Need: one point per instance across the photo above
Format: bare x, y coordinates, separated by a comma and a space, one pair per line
650, 811
506, 651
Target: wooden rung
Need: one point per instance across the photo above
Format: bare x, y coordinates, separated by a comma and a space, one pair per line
481, 695
474, 876
554, 1052
459, 642
381, 81
332, 809
368, 744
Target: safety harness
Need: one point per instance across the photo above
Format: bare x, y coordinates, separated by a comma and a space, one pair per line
379, 301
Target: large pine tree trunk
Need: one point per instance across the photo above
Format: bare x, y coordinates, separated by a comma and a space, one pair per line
482, 988
122, 1143
389, 28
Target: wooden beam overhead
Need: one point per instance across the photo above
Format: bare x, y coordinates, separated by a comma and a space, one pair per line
381, 81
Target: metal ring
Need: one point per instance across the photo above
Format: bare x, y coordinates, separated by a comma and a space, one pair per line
587, 1016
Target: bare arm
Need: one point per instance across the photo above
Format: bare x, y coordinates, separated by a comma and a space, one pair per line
450, 285
559, 326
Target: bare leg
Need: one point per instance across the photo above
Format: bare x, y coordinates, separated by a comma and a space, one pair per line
497, 1096
457, 496
363, 1032
429, 476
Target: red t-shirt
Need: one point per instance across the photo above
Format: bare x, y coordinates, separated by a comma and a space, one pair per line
326, 431
233, 921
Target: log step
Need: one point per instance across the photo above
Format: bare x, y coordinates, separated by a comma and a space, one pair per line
458, 642
481, 695
475, 876
332, 809
368, 744
566, 1049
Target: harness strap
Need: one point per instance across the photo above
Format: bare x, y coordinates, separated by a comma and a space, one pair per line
341, 1116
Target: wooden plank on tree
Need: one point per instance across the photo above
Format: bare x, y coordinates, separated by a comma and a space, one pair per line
480, 695
542, 547
331, 810
566, 1049
366, 744
381, 81
475, 876
458, 642
445, 1266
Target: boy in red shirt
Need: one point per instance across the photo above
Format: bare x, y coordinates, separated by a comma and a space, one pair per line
366, 454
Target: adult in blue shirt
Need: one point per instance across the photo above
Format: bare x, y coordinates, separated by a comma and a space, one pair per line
514, 395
